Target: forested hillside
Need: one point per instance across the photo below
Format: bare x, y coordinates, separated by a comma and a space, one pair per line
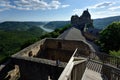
19, 26
15, 36
56, 24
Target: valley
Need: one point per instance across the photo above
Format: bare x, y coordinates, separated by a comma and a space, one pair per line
15, 36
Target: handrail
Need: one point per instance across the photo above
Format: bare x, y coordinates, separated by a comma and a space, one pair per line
106, 59
112, 64
66, 72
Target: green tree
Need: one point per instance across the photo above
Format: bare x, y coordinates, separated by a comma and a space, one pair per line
115, 53
110, 37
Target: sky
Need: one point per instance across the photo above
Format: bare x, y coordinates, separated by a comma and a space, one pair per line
55, 10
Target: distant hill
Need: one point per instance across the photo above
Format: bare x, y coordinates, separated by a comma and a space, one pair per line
56, 24
12, 25
103, 22
19, 26
29, 28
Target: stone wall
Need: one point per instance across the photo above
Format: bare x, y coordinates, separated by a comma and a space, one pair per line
89, 36
31, 50
57, 49
4, 72
35, 69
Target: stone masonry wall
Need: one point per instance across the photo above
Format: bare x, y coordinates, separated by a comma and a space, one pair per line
57, 49
31, 50
31, 70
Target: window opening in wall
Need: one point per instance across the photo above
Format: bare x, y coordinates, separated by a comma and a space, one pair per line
30, 54
59, 45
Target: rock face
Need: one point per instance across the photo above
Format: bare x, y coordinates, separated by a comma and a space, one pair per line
84, 21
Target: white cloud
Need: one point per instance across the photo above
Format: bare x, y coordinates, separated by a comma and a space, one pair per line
77, 11
5, 5
100, 10
96, 6
101, 5
30, 4
64, 6
102, 14
114, 8
54, 4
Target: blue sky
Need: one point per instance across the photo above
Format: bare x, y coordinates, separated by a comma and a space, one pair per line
52, 10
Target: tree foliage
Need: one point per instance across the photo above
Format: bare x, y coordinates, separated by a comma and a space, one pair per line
13, 41
16, 36
56, 24
115, 53
110, 37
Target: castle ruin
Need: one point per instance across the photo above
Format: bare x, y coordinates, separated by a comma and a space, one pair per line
67, 57
83, 21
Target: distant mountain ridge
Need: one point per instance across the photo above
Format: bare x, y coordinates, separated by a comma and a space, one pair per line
103, 22
56, 24
19, 26
15, 25
28, 28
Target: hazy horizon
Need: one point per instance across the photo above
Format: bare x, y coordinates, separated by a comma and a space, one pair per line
56, 20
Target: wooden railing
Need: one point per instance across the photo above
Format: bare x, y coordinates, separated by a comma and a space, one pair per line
74, 69
106, 59
111, 72
115, 74
68, 69
111, 65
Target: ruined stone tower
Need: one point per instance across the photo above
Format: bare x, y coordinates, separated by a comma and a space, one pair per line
83, 21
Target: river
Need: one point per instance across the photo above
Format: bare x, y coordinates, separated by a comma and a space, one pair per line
46, 29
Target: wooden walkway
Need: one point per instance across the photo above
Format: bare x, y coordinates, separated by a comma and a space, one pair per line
93, 71
94, 66
91, 75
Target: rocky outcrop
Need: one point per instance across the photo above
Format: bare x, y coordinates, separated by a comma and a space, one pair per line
84, 21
